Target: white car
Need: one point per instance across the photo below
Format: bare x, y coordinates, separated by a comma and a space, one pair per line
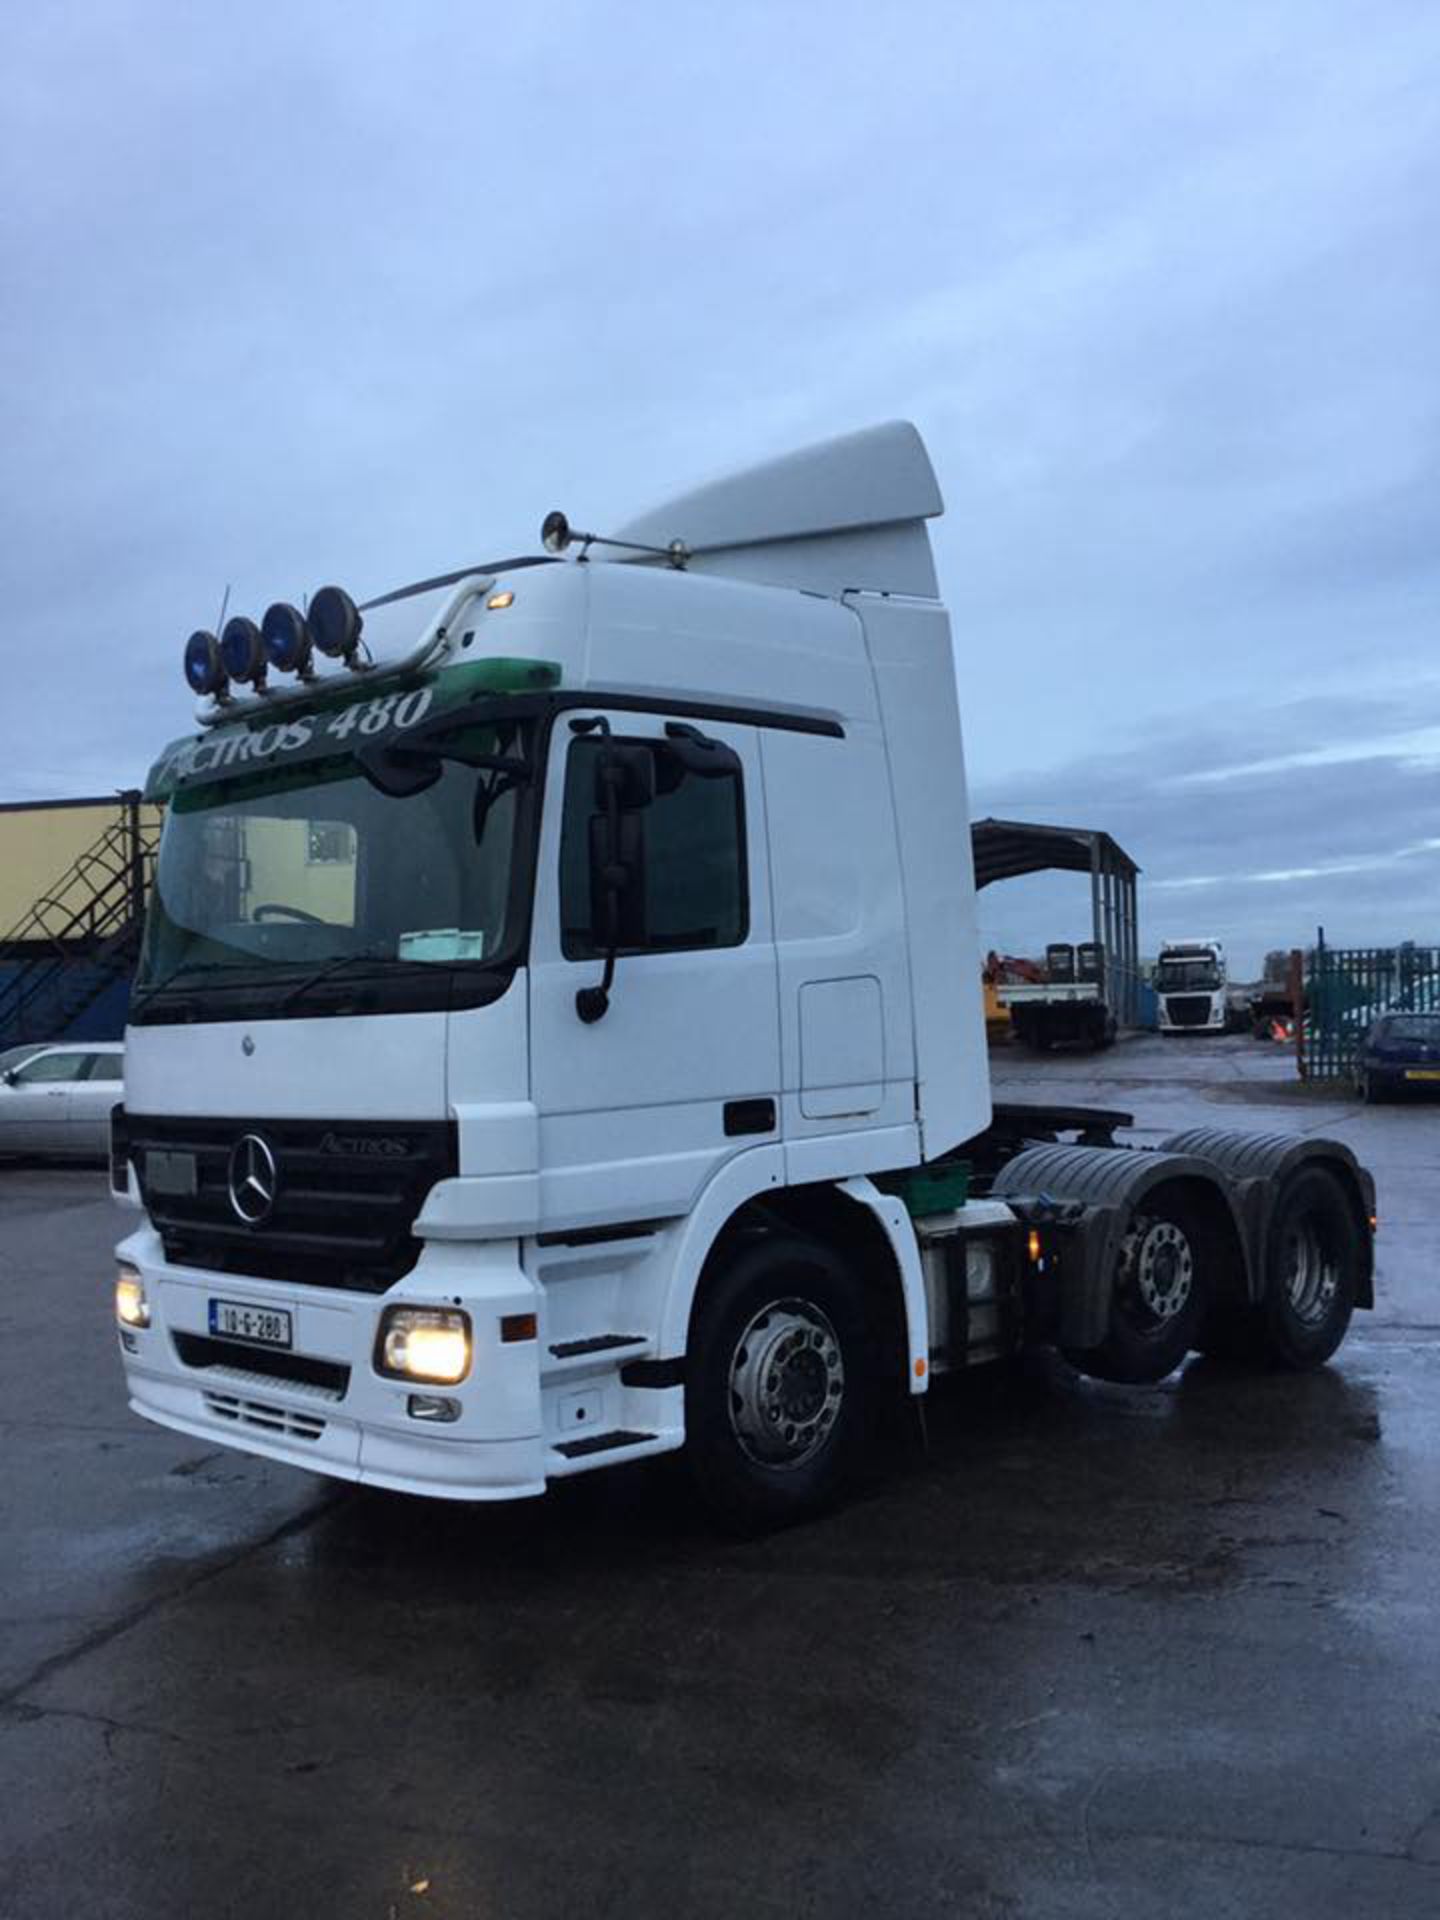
58, 1101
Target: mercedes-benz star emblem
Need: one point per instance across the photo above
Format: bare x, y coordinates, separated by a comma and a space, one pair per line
254, 1179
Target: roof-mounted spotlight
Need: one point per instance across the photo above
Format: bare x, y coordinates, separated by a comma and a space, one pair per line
335, 622
242, 651
288, 639
556, 534
204, 669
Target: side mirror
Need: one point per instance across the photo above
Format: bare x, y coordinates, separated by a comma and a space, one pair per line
617, 883
10, 1076
396, 771
624, 777
624, 787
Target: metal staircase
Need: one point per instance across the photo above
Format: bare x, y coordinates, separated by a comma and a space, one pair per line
82, 935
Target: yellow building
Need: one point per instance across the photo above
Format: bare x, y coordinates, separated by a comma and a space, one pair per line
57, 856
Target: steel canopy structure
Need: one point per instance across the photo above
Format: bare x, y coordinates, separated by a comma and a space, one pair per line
1007, 849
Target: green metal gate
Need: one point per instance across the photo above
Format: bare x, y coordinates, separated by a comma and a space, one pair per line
1346, 987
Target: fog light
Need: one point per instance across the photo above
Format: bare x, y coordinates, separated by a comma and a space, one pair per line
424, 1343
132, 1309
438, 1408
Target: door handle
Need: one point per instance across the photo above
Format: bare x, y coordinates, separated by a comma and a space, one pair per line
749, 1116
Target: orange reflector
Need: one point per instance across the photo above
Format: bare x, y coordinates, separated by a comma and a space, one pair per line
1032, 1245
920, 1369
498, 601
1374, 1223
517, 1326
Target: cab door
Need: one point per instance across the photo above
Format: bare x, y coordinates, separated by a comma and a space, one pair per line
638, 1108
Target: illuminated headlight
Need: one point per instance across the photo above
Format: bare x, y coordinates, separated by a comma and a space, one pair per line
424, 1343
132, 1309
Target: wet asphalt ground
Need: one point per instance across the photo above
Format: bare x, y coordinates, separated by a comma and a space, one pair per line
1092, 1652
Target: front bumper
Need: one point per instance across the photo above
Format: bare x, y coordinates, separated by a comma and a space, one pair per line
360, 1431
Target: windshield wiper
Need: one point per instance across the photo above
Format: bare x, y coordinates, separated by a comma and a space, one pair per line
177, 972
335, 964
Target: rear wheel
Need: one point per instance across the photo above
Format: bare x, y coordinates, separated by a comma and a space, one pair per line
778, 1394
1313, 1266
1160, 1296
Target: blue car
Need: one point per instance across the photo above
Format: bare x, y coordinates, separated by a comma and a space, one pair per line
1400, 1053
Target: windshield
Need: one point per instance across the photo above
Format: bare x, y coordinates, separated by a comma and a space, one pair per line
1193, 976
1411, 1026
292, 886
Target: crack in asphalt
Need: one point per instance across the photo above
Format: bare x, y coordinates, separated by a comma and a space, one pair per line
13, 1697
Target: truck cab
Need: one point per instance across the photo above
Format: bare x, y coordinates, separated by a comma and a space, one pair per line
558, 1036
1191, 986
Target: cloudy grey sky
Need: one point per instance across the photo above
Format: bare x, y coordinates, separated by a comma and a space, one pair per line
318, 291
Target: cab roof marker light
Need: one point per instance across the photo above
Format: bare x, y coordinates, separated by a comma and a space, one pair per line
218, 708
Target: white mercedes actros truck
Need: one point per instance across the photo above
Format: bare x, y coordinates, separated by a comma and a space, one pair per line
1192, 987
558, 1038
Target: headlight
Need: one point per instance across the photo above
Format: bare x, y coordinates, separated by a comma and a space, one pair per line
424, 1343
132, 1309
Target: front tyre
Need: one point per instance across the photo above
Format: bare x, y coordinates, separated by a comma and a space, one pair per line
778, 1391
1313, 1266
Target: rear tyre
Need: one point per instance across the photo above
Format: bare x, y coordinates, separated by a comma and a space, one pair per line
778, 1397
1313, 1266
1161, 1295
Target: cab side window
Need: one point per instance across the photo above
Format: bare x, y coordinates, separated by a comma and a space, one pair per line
694, 881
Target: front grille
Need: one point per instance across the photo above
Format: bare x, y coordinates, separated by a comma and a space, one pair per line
346, 1196
1188, 1010
282, 1421
235, 1356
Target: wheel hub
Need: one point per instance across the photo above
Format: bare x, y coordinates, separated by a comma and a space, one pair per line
1311, 1277
1156, 1262
787, 1381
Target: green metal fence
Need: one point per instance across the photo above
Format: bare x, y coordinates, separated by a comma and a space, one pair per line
1346, 987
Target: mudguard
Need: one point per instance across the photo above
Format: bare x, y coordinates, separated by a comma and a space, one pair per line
1111, 1183
1261, 1163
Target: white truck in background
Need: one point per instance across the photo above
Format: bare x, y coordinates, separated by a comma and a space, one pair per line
1192, 987
558, 1036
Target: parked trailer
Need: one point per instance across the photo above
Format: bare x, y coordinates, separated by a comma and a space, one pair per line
1071, 1005
561, 1043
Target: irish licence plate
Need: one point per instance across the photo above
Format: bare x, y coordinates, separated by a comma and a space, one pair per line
261, 1326
1422, 1073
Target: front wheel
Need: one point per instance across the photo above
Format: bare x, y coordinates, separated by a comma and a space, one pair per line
778, 1391
1313, 1266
